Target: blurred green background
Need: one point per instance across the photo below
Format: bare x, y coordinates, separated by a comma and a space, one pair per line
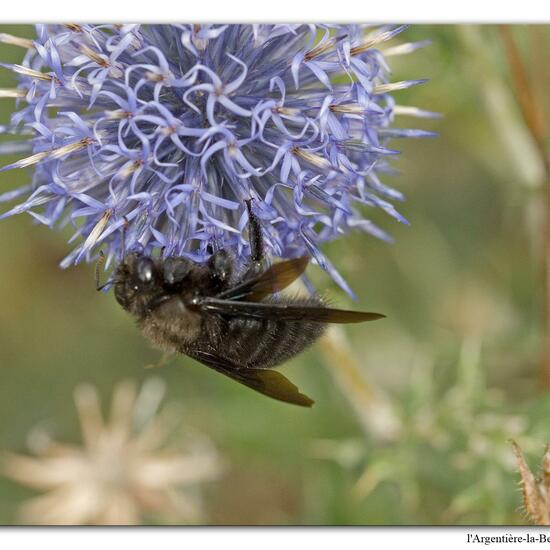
455, 361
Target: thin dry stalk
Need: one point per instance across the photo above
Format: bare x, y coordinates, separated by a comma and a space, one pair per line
372, 407
533, 113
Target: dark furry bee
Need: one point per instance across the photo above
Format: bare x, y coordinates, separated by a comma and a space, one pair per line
236, 325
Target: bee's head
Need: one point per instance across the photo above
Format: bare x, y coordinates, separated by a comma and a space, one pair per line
142, 283
137, 282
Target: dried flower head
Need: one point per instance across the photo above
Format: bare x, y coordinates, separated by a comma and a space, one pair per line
536, 491
173, 127
123, 473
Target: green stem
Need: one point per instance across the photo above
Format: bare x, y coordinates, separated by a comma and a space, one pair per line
372, 407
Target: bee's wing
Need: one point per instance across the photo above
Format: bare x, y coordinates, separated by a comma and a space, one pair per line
274, 279
266, 381
285, 312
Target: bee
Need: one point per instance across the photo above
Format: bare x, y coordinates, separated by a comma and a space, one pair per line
236, 324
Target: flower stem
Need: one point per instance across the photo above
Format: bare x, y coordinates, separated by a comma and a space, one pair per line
533, 114
544, 359
372, 407
526, 98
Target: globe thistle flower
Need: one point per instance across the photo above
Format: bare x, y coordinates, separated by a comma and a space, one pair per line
167, 129
124, 473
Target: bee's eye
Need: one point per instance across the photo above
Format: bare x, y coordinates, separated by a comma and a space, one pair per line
145, 269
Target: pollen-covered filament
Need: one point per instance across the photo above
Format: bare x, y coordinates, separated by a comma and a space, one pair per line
348, 108
54, 154
12, 93
6, 38
316, 160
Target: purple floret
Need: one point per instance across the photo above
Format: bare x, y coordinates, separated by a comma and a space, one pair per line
168, 129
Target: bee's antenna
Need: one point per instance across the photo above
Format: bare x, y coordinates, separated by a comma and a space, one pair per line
109, 282
99, 263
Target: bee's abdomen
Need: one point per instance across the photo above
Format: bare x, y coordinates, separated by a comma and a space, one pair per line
265, 343
283, 340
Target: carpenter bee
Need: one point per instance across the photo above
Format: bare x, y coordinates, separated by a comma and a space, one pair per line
235, 324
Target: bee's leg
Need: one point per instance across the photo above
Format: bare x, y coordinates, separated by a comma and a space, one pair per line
162, 362
257, 254
98, 265
220, 267
175, 269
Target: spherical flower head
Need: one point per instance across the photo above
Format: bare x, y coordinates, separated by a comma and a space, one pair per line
153, 137
128, 469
